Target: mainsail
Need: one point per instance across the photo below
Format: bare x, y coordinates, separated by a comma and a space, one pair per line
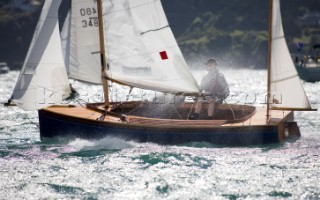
43, 79
286, 88
82, 51
141, 50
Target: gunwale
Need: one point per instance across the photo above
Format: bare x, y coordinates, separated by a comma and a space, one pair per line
255, 119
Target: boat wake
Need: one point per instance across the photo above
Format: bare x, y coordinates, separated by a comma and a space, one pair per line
107, 143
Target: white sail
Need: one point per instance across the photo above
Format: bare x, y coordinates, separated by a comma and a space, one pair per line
37, 87
141, 50
65, 40
84, 50
286, 88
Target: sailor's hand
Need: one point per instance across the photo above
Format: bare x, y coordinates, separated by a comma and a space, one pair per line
205, 94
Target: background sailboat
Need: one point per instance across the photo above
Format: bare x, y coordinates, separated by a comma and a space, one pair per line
308, 65
37, 87
138, 49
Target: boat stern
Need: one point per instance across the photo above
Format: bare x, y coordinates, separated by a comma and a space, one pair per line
287, 127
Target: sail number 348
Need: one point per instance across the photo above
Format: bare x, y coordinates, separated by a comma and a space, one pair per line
92, 21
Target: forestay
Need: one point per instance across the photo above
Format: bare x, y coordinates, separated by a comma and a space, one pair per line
43, 79
80, 36
141, 50
286, 88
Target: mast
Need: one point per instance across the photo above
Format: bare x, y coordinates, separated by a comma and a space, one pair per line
269, 57
102, 55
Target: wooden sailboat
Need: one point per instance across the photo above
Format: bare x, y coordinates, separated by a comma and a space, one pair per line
147, 57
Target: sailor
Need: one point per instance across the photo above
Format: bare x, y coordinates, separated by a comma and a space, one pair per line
214, 89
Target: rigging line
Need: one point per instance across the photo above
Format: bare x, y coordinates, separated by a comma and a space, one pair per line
234, 116
191, 108
284, 79
131, 111
277, 38
80, 103
153, 30
95, 52
175, 109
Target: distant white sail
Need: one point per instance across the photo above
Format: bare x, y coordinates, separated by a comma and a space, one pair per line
141, 50
43, 79
286, 88
84, 51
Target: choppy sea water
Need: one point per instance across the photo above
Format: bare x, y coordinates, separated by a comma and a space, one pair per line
112, 168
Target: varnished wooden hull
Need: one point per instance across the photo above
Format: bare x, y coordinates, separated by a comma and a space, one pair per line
61, 122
